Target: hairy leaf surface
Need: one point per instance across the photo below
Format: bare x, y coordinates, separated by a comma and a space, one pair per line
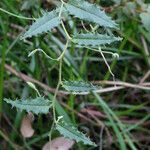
48, 21
71, 132
89, 12
79, 86
37, 105
94, 39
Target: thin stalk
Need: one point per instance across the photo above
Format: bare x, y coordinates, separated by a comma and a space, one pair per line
67, 34
14, 15
113, 64
56, 91
115, 55
60, 12
109, 68
40, 50
61, 9
50, 133
59, 81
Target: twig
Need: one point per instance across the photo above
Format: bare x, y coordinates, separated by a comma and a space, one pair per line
124, 84
119, 85
145, 77
146, 84
52, 90
29, 79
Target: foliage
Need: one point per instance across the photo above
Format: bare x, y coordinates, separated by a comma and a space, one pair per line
145, 17
89, 12
68, 21
45, 23
90, 39
83, 10
76, 87
37, 105
72, 133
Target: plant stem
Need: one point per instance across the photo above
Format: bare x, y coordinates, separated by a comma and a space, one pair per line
61, 9
67, 34
109, 68
14, 15
50, 133
60, 12
56, 91
59, 80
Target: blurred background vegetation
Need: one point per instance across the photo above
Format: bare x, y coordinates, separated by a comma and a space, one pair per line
131, 104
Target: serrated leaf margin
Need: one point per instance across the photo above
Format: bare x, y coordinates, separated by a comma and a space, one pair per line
89, 12
90, 39
48, 21
71, 132
42, 105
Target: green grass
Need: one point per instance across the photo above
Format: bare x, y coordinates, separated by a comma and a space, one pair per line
126, 111
3, 55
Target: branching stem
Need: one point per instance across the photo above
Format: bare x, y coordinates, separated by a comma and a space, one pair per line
55, 121
67, 34
40, 50
107, 64
59, 81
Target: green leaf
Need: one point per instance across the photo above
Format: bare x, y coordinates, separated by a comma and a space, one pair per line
89, 12
145, 17
48, 21
71, 132
90, 39
37, 105
79, 86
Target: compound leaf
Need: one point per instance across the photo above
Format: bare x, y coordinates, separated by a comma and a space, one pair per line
37, 105
89, 12
90, 39
48, 21
71, 132
79, 86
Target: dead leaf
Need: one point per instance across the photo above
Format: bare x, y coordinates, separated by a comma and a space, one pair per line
59, 143
26, 127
